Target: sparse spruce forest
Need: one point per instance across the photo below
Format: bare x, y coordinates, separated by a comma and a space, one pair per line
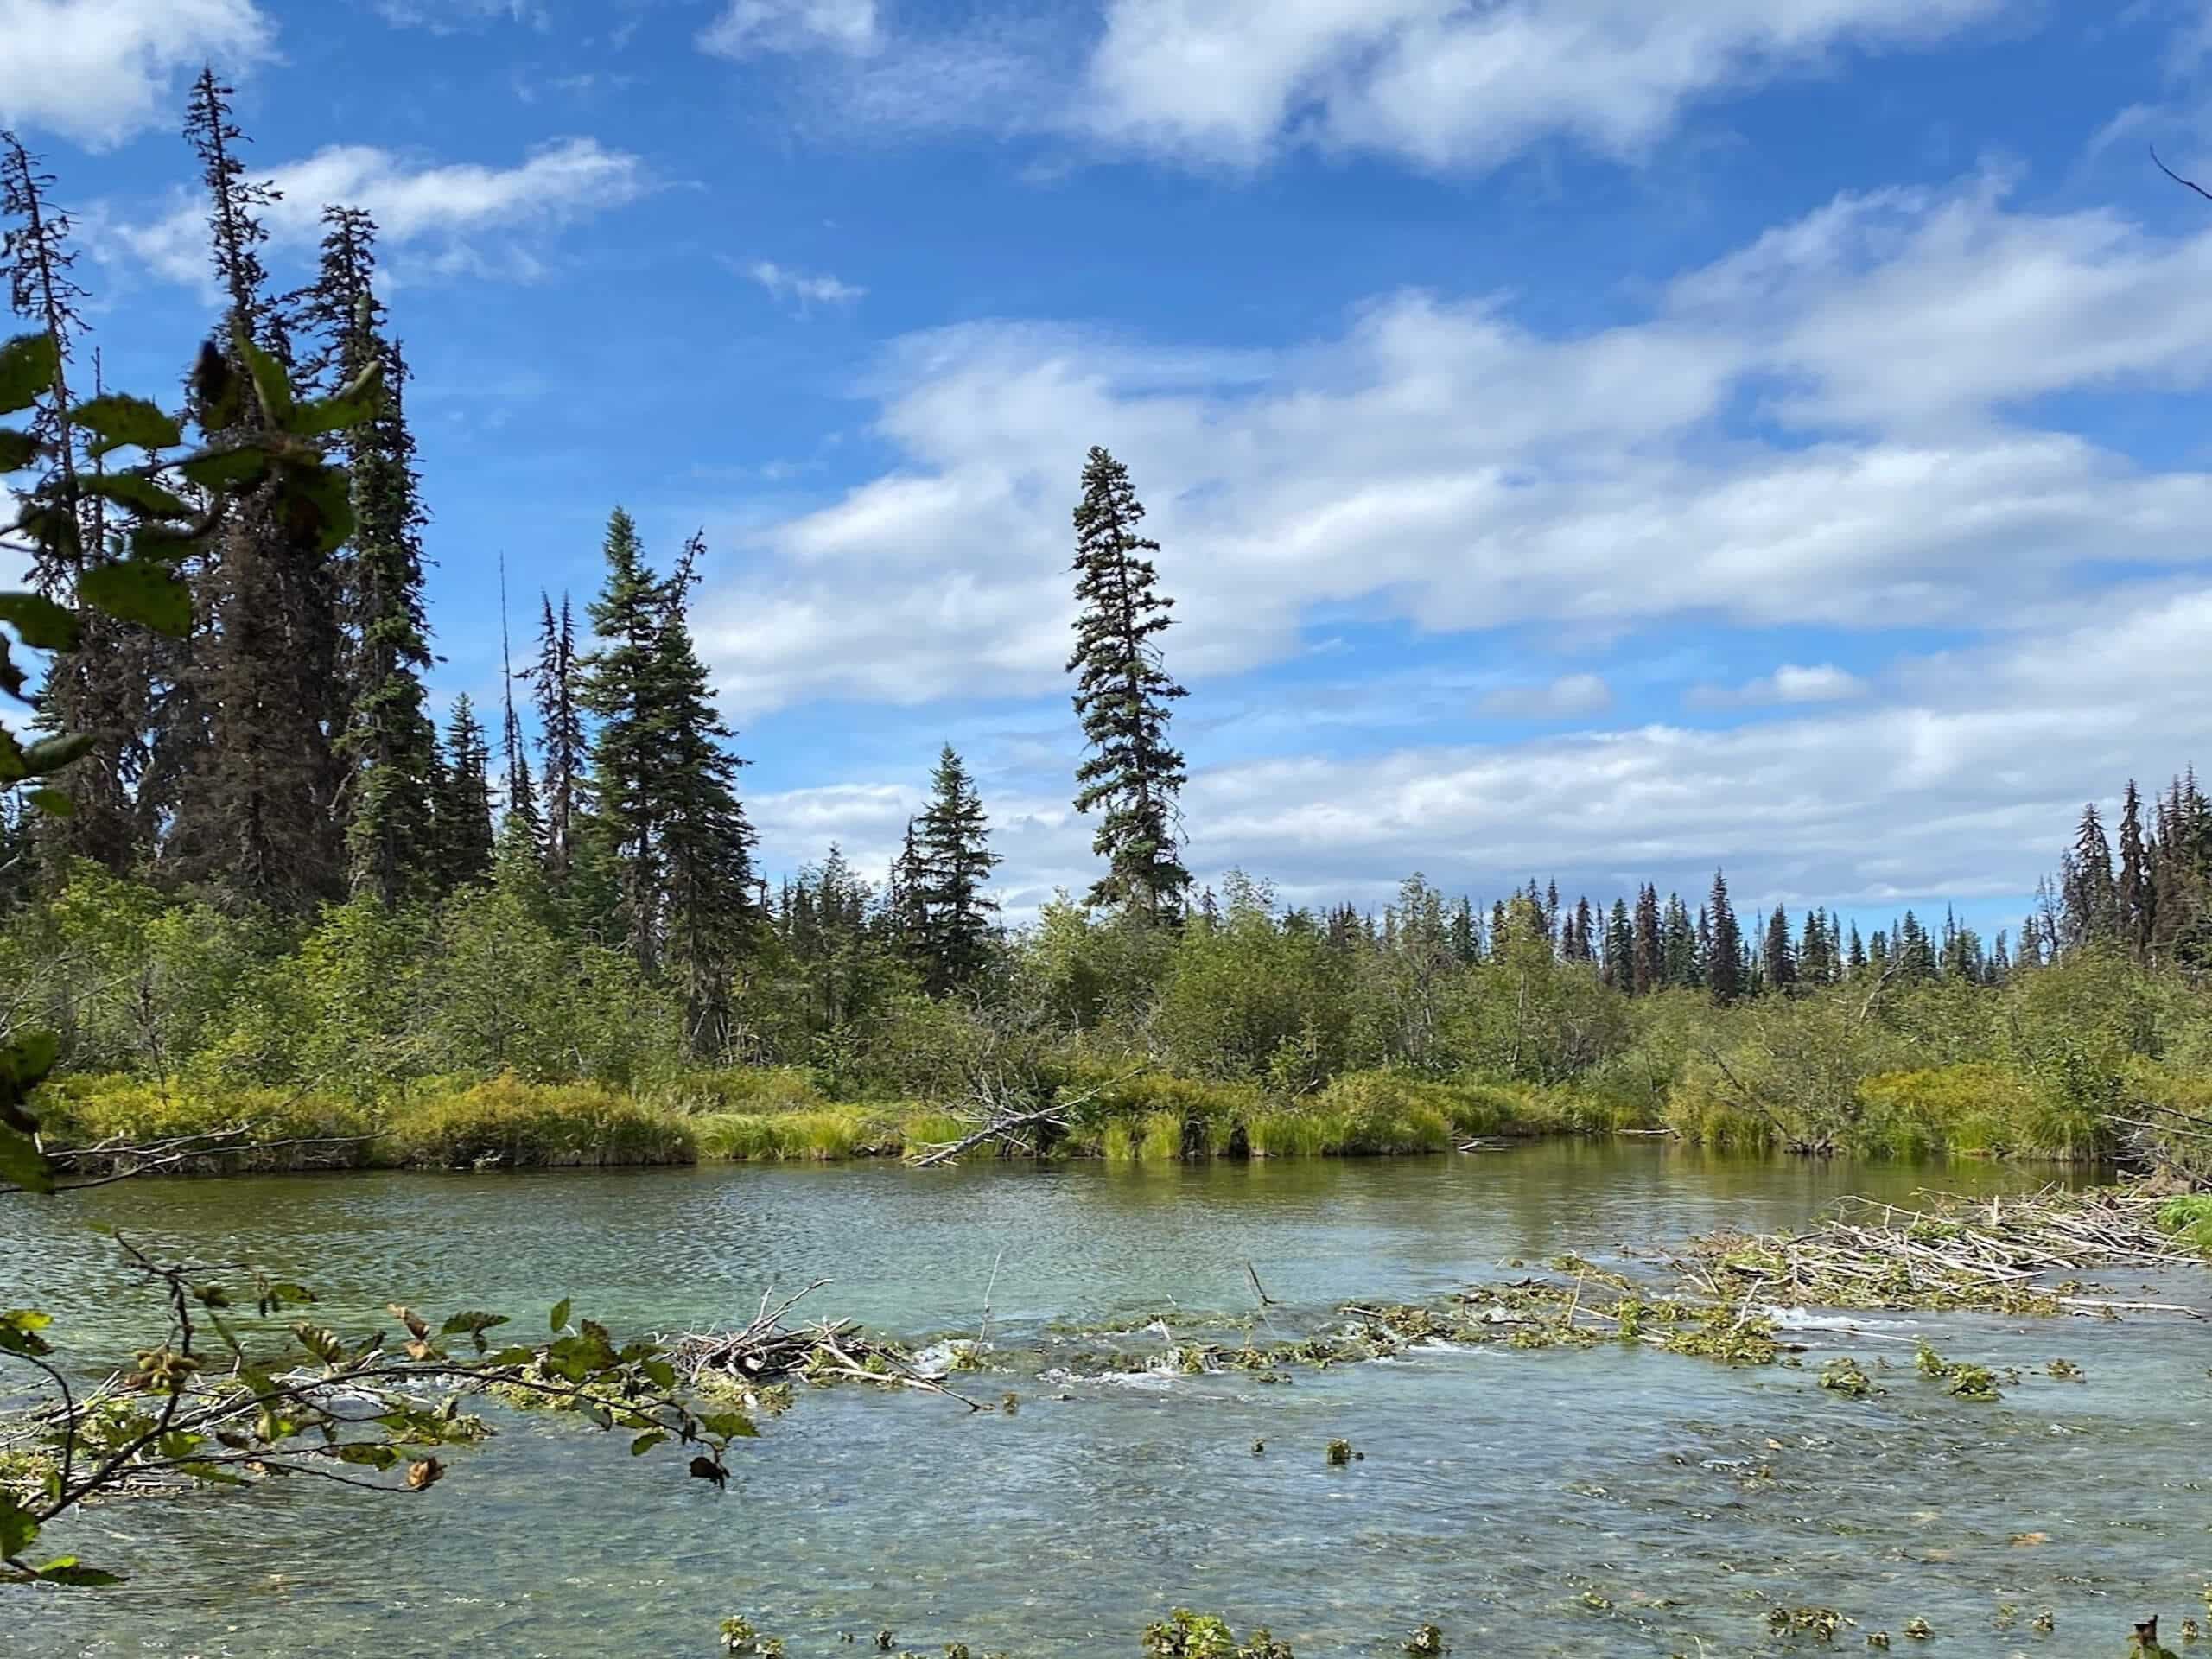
284, 908
262, 915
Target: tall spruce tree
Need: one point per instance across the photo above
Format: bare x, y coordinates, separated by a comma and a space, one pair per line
100, 691
1648, 964
705, 842
387, 745
2088, 888
1132, 776
619, 687
1620, 947
1780, 956
2134, 902
251, 758
462, 819
1724, 952
556, 684
953, 861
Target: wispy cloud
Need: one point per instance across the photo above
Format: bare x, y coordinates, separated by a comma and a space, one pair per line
787, 285
1791, 682
459, 214
746, 28
1571, 697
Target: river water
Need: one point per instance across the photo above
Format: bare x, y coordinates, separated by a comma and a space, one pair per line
1552, 1502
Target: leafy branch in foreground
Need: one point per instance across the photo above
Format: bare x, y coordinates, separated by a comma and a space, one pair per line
261, 450
204, 1409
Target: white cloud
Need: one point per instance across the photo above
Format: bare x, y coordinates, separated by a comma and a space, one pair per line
1821, 683
448, 17
786, 285
97, 71
1568, 697
443, 208
1440, 464
1959, 782
749, 27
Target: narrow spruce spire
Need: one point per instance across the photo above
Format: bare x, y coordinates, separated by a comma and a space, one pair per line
1132, 776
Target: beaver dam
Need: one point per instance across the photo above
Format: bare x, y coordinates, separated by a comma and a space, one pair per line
1571, 1399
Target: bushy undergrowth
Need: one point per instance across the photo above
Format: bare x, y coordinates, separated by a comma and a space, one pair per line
482, 1028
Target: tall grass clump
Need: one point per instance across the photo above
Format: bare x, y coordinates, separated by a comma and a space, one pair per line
531, 1125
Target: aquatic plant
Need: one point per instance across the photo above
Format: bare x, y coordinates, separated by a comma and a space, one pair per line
1426, 1639
738, 1636
1844, 1377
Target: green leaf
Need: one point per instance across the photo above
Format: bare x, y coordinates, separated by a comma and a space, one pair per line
315, 505
21, 1163
41, 623
216, 389
660, 1372
508, 1357
322, 1343
17, 449
27, 366
136, 491
645, 1443
375, 1457
11, 676
50, 754
19, 1332
707, 1469
730, 1425
560, 1320
65, 1569
18, 1531
13, 766
119, 422
284, 1290
54, 803
350, 404
270, 382
154, 543
229, 470
138, 591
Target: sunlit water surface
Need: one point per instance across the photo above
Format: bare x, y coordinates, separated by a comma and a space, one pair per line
1504, 1495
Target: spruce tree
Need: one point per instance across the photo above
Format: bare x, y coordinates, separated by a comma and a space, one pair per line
2088, 888
954, 859
1780, 956
1649, 967
619, 687
250, 752
2135, 903
1723, 953
462, 818
1620, 947
100, 691
388, 745
705, 842
1915, 952
1132, 776
555, 681
1682, 946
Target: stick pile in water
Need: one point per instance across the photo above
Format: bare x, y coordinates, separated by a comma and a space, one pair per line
2018, 1253
768, 1351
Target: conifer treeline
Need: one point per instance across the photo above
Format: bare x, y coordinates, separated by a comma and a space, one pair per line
283, 758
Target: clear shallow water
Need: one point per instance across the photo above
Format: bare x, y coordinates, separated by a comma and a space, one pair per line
1496, 1488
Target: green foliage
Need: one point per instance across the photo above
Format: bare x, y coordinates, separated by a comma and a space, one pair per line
2190, 1220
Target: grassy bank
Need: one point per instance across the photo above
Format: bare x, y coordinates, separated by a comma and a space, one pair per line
770, 1115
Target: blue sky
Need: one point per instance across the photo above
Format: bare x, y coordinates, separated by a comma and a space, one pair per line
1589, 438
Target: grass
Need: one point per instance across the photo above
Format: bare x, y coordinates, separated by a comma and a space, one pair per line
778, 1115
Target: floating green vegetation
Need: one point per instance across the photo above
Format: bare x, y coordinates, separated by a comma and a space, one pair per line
1823, 1621
1427, 1639
1185, 1635
1845, 1377
739, 1636
1975, 1382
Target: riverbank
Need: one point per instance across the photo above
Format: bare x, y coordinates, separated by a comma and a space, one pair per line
781, 1114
